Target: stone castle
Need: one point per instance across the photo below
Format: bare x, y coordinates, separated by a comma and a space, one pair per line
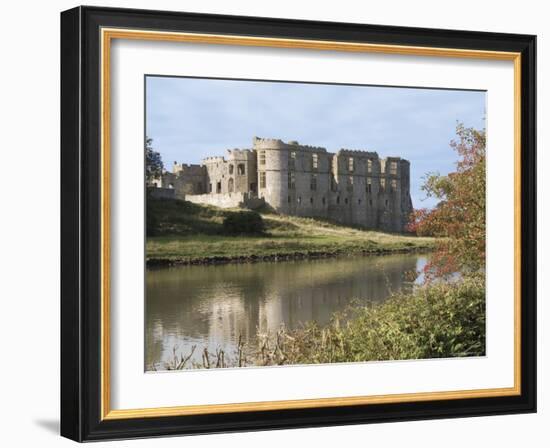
350, 187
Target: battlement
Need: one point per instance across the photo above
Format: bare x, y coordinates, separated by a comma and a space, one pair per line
188, 169
213, 159
357, 153
268, 143
240, 154
271, 143
187, 165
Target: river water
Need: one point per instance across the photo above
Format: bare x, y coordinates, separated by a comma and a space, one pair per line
212, 306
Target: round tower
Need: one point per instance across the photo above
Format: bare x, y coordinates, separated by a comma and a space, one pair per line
273, 177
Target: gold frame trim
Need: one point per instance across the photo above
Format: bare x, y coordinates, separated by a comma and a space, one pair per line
107, 35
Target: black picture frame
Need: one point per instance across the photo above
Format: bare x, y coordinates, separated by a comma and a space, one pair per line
81, 224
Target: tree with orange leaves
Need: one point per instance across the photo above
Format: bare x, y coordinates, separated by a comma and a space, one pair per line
459, 217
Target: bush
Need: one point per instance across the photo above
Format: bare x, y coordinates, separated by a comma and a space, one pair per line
436, 321
439, 320
245, 222
152, 225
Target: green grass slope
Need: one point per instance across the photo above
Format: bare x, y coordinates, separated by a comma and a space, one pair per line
191, 233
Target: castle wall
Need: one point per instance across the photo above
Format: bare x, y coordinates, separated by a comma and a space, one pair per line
236, 174
351, 187
352, 200
405, 194
185, 179
245, 169
227, 200
161, 193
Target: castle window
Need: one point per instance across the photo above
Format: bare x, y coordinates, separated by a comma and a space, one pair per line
387, 203
382, 185
230, 185
299, 199
292, 160
262, 179
359, 201
311, 200
337, 199
370, 202
393, 168
350, 164
350, 183
289, 199
393, 187
369, 185
369, 166
231, 169
291, 181
333, 185
218, 187
324, 201
346, 200
240, 169
262, 157
315, 161
313, 182
209, 188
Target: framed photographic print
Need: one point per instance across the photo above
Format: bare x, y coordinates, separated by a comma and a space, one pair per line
273, 223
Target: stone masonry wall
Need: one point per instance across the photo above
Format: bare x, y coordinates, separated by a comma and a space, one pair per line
351, 187
185, 179
227, 200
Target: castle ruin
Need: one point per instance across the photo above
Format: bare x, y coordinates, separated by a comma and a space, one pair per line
350, 187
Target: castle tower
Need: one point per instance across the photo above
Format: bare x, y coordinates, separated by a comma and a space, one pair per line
293, 179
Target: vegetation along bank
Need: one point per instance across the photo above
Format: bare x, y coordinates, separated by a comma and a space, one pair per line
181, 232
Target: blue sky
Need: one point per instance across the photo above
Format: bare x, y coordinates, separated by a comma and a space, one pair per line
190, 119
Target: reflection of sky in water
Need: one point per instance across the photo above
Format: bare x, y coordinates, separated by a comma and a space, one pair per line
211, 306
421, 263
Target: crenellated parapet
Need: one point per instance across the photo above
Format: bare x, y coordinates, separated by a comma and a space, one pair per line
188, 169
213, 159
293, 145
268, 143
357, 153
240, 154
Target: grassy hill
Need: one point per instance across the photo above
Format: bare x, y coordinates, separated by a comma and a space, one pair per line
187, 233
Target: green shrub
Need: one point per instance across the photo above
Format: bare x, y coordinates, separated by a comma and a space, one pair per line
152, 225
245, 222
436, 321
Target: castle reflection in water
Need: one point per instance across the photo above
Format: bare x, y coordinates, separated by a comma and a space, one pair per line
211, 306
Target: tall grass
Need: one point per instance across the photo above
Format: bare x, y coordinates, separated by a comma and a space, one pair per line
441, 320
436, 321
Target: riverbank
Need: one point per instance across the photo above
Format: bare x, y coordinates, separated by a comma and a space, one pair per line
279, 256
192, 234
441, 320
